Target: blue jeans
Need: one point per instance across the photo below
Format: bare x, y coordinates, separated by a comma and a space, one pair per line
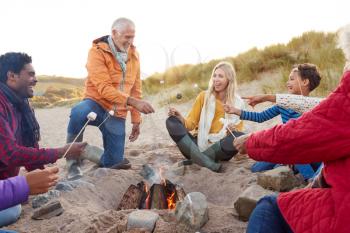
306, 170
113, 130
317, 172
10, 215
267, 217
263, 166
7, 231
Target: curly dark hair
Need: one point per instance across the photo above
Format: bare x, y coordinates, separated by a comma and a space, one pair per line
14, 62
310, 72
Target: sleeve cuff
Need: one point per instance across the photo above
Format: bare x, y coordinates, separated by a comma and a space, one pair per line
123, 98
278, 98
135, 116
54, 155
242, 116
22, 189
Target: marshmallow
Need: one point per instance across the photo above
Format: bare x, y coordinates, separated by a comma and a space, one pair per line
161, 81
222, 120
92, 116
195, 85
111, 113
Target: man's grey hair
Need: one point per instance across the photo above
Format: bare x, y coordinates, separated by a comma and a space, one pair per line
121, 24
344, 40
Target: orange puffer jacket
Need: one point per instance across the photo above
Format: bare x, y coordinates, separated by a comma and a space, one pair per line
105, 83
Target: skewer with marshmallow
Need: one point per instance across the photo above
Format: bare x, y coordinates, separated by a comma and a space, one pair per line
110, 113
225, 123
91, 117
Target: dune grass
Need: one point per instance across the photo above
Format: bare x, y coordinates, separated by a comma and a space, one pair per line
318, 48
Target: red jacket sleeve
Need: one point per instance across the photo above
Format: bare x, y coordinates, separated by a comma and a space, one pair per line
322, 134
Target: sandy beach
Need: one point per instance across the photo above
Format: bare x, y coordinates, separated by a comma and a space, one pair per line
92, 207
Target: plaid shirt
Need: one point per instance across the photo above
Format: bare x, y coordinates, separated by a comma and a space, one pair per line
12, 154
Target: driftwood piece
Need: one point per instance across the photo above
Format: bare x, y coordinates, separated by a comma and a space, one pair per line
131, 198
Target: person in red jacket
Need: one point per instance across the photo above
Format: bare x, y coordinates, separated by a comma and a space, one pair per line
320, 134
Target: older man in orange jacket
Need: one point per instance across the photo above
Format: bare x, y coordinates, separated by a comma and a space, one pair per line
113, 86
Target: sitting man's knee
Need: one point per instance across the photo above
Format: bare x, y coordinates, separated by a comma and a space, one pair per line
269, 201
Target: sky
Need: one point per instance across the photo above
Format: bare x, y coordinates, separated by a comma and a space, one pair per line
58, 33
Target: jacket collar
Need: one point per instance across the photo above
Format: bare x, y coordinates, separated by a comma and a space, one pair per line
102, 43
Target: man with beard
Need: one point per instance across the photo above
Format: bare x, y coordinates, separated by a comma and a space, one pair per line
19, 129
112, 88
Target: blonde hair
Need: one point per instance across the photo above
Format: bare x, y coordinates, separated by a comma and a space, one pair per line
230, 74
344, 41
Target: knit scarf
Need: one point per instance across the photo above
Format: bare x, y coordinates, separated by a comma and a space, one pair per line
29, 125
121, 57
207, 115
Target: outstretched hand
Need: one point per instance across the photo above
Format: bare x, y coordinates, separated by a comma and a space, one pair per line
254, 100
240, 143
39, 181
141, 105
176, 113
74, 151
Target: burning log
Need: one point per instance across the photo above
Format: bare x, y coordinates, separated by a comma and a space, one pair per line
131, 198
158, 197
145, 199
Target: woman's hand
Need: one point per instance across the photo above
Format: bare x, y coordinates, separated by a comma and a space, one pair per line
176, 113
231, 127
240, 143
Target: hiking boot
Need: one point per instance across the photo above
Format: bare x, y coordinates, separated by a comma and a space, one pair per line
73, 165
74, 170
216, 153
192, 151
92, 153
124, 164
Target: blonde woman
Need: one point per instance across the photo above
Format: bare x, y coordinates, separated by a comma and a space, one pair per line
211, 141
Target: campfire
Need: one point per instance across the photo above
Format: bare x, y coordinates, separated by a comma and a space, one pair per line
160, 195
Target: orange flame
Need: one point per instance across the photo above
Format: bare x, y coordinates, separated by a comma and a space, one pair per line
170, 197
148, 198
171, 201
